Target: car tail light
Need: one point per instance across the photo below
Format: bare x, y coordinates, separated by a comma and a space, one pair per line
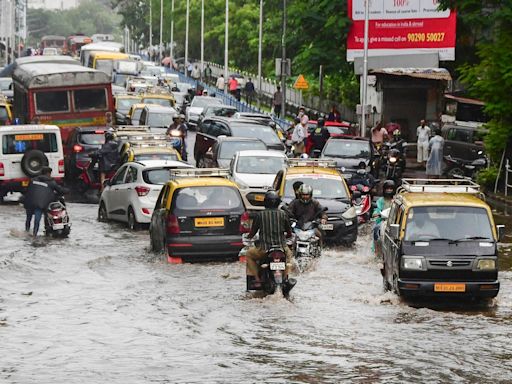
77, 148
2, 170
61, 166
245, 223
173, 227
142, 191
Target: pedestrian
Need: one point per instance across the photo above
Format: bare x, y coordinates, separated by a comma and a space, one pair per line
41, 191
318, 138
208, 74
109, 121
298, 138
249, 91
196, 73
379, 134
435, 159
277, 101
220, 84
190, 68
423, 134
302, 115
233, 86
334, 115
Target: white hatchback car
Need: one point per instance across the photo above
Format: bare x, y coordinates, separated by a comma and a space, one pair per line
254, 171
130, 196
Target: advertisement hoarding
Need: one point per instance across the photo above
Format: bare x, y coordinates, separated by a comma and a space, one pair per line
401, 27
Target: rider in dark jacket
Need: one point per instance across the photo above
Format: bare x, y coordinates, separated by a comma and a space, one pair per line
305, 208
108, 155
319, 136
41, 191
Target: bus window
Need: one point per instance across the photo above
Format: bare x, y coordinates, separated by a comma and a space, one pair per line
90, 99
52, 101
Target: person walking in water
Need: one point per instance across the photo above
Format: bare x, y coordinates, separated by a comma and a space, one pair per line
423, 134
435, 158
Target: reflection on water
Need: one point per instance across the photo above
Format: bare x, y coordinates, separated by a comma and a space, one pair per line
99, 308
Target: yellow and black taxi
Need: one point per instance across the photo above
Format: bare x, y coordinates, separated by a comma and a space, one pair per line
122, 104
198, 216
5, 111
159, 97
329, 188
152, 150
439, 239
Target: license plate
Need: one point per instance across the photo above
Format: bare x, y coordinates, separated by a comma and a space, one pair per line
24, 183
327, 227
209, 222
58, 226
446, 287
277, 266
259, 197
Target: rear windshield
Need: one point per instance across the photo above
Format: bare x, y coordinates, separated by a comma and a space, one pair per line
262, 132
90, 99
22, 142
52, 101
349, 149
207, 198
229, 148
159, 119
106, 66
157, 176
262, 165
125, 104
158, 101
156, 156
92, 138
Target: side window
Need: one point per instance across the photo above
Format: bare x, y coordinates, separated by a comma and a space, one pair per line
277, 181
142, 119
160, 199
457, 134
215, 129
451, 134
392, 214
399, 214
224, 130
205, 127
131, 175
119, 176
165, 199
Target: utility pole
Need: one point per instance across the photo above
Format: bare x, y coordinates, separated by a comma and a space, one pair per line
150, 24
259, 51
161, 30
186, 37
226, 39
202, 39
283, 63
365, 68
172, 31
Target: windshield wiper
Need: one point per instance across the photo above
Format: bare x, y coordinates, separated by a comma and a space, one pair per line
469, 238
431, 239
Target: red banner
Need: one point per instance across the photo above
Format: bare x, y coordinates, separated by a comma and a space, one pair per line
392, 31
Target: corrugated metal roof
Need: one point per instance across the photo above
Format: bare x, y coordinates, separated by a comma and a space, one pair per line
465, 100
422, 73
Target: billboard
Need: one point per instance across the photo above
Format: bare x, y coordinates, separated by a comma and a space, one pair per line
401, 27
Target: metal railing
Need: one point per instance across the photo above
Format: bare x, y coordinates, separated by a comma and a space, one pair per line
507, 172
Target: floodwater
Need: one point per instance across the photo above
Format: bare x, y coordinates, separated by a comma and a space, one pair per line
99, 308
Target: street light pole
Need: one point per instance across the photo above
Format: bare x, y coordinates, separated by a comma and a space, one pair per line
226, 36
172, 31
365, 68
283, 63
150, 24
259, 51
186, 36
161, 29
202, 39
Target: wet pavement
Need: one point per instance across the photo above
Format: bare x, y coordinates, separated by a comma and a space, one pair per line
100, 308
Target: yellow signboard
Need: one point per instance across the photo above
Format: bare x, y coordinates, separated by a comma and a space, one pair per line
301, 83
28, 137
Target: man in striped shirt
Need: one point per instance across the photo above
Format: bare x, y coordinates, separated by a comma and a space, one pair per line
273, 226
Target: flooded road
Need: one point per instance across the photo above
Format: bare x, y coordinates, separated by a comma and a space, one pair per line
99, 308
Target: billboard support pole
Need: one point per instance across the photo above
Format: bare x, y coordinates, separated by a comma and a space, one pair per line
365, 68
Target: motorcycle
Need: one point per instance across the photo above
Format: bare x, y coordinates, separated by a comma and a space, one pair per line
307, 244
456, 168
176, 139
272, 269
89, 178
56, 220
361, 186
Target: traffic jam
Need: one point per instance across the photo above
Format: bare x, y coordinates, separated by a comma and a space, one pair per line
213, 205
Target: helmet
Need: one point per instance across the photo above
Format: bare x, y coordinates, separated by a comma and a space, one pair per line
321, 122
175, 117
397, 133
182, 116
109, 135
272, 199
305, 193
388, 188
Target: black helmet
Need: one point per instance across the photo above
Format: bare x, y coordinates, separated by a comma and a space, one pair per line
388, 188
272, 199
109, 135
305, 190
320, 121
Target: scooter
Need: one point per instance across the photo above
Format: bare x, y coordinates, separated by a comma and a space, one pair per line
362, 202
89, 178
272, 269
56, 220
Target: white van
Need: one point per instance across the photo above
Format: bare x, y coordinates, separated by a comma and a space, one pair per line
26, 149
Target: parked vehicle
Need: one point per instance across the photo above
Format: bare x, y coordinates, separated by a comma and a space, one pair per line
463, 141
56, 220
464, 168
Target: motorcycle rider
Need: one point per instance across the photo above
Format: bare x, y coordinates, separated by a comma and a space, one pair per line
305, 208
179, 124
108, 156
362, 177
384, 202
319, 137
41, 191
398, 142
272, 225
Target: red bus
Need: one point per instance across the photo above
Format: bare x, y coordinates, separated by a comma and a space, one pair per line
65, 95
53, 41
75, 42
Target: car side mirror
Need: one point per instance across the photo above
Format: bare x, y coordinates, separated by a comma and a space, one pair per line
501, 232
394, 231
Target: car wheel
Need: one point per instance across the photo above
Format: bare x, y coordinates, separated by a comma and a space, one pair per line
102, 213
454, 172
201, 163
132, 220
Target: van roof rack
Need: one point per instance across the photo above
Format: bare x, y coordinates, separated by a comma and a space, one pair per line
149, 143
199, 172
462, 185
312, 163
134, 128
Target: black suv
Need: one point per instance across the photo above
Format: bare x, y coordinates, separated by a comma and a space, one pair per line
80, 143
349, 153
212, 127
463, 141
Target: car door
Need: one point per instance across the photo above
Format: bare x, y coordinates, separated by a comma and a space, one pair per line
211, 155
126, 192
111, 194
204, 140
158, 219
389, 245
457, 142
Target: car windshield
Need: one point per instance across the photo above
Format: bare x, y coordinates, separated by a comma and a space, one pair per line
158, 176
5, 84
120, 79
159, 119
262, 165
325, 187
229, 148
262, 132
220, 111
207, 198
125, 104
201, 102
447, 222
92, 138
156, 156
158, 101
349, 149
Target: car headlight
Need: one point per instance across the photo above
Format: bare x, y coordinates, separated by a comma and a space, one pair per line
392, 159
175, 133
349, 214
485, 264
413, 263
